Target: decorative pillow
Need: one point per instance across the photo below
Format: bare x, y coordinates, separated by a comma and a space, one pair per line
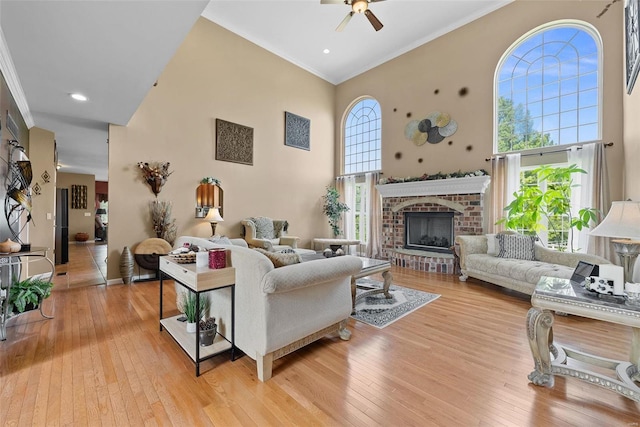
220, 240
492, 245
280, 259
264, 228
279, 228
516, 246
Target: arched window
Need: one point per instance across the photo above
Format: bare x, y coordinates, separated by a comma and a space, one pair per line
548, 88
362, 135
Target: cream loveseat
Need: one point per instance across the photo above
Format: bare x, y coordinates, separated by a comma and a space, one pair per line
517, 274
279, 310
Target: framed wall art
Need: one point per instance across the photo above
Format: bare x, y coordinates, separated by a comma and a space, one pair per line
632, 42
234, 142
78, 197
297, 131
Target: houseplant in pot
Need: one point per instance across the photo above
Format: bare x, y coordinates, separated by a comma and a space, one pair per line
28, 294
544, 202
208, 329
189, 309
333, 208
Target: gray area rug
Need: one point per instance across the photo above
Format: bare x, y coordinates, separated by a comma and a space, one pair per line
378, 311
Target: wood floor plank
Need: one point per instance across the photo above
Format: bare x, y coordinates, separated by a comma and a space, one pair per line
461, 360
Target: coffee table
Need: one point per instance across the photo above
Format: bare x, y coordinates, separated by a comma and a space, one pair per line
562, 296
371, 266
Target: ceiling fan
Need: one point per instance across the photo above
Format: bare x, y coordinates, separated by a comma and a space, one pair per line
357, 6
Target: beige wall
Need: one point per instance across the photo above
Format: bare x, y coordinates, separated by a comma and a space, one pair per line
41, 230
468, 58
216, 74
80, 220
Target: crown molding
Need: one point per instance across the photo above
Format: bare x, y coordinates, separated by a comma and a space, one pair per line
13, 82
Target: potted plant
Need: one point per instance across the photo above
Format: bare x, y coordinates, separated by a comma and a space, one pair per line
28, 294
333, 209
189, 309
532, 206
208, 329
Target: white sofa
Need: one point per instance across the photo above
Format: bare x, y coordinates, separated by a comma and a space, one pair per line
519, 275
278, 310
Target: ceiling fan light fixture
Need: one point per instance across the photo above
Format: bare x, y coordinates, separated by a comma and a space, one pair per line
359, 6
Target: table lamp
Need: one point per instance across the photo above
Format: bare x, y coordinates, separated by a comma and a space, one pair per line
623, 224
213, 216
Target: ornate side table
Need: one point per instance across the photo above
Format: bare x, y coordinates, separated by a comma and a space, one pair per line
553, 294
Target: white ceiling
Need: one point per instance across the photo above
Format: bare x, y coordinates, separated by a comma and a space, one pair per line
114, 50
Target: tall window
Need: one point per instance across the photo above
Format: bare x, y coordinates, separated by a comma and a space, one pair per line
362, 135
548, 88
555, 233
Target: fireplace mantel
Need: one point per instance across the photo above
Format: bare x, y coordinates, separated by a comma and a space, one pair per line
470, 185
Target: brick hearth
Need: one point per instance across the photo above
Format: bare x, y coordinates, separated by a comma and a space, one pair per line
465, 201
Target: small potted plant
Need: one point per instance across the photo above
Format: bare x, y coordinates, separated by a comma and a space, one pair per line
333, 208
189, 309
208, 329
28, 294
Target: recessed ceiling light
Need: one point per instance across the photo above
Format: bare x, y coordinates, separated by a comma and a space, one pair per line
326, 51
79, 97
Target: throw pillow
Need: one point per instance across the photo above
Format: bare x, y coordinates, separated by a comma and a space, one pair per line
492, 244
516, 246
280, 259
220, 240
264, 228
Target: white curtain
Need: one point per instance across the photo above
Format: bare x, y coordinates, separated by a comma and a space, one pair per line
374, 245
505, 180
593, 191
349, 217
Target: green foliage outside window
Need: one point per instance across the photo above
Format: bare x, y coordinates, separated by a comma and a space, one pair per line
516, 130
544, 202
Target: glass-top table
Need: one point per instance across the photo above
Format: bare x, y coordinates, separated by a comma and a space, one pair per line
563, 296
370, 266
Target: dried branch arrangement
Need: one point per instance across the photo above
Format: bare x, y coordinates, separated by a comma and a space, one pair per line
164, 227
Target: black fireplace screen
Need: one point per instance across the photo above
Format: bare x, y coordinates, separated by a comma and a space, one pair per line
428, 231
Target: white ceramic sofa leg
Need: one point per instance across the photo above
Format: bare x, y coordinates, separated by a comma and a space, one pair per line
265, 366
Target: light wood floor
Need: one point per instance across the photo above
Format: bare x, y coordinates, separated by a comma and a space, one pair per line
462, 360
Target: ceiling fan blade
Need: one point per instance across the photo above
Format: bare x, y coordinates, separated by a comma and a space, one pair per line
345, 21
332, 2
377, 25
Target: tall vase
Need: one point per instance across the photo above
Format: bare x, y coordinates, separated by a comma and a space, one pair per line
126, 265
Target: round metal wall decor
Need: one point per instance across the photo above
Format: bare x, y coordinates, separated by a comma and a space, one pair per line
433, 129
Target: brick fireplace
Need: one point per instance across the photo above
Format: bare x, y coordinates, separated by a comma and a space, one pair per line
463, 197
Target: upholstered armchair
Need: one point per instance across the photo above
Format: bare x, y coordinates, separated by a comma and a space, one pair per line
269, 234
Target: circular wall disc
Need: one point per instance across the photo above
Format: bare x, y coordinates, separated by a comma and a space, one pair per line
419, 138
410, 129
424, 125
443, 120
434, 137
449, 129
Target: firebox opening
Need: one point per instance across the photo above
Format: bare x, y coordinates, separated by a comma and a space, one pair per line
428, 231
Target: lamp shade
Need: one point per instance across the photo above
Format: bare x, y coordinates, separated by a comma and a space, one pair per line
622, 221
213, 215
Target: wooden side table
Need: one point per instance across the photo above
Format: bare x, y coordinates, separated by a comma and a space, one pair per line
197, 280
